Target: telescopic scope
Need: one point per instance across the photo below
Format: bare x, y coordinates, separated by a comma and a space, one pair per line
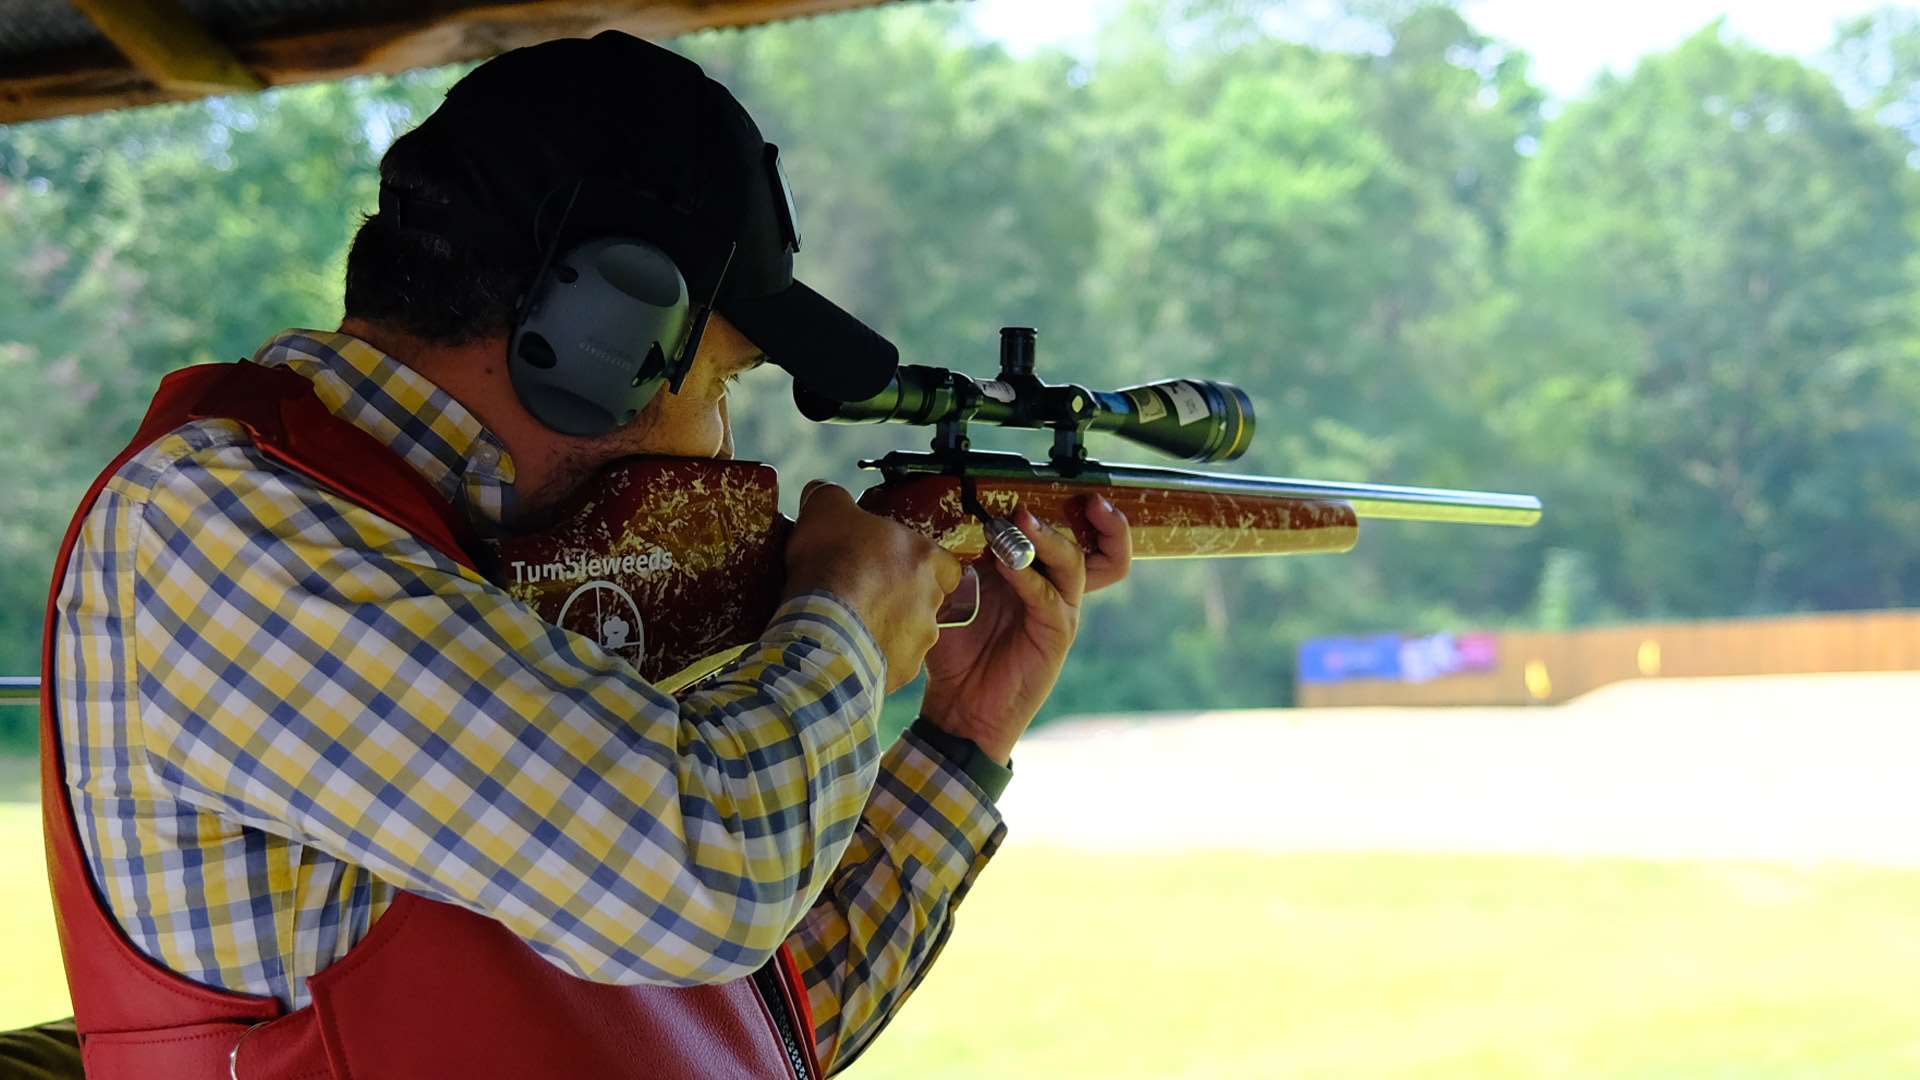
1193, 419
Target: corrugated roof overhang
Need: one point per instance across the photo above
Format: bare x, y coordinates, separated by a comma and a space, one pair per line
59, 57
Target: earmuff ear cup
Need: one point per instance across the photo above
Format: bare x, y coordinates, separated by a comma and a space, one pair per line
603, 326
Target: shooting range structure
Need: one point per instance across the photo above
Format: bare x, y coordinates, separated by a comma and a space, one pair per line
63, 57
1550, 667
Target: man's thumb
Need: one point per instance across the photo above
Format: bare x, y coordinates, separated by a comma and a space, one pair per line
814, 486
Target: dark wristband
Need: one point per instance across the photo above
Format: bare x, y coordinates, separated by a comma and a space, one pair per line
965, 754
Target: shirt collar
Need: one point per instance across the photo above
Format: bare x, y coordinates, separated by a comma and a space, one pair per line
416, 419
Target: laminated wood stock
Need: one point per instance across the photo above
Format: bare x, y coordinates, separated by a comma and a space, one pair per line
676, 564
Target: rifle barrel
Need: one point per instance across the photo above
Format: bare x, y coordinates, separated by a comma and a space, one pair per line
19, 690
1389, 501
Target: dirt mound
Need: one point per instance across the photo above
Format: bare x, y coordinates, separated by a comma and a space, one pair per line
1780, 767
1879, 692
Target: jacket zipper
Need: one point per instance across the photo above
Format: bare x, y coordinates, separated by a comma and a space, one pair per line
773, 991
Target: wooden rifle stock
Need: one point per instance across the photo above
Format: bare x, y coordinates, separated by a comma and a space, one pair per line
677, 564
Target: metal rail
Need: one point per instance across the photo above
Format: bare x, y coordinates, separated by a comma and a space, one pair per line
1368, 500
19, 690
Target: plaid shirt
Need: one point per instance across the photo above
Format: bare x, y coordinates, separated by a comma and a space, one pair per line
277, 709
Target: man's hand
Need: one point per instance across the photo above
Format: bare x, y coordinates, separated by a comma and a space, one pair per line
891, 576
1110, 564
986, 680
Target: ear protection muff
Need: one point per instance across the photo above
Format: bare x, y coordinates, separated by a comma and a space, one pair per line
606, 325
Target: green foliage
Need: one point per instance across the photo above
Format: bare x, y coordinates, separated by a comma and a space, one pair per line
1569, 595
1681, 309
1875, 60
133, 243
1716, 250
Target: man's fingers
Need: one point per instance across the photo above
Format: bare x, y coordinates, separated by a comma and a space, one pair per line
1057, 555
1113, 542
817, 488
947, 569
1029, 586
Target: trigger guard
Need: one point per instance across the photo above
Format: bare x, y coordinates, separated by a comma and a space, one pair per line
962, 605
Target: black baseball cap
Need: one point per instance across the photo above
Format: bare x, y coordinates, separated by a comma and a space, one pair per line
576, 138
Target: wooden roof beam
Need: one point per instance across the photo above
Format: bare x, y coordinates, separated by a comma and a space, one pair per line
452, 31
169, 47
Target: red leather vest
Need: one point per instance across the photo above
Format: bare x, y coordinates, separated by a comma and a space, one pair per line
433, 990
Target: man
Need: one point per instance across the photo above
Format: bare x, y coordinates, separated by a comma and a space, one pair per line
351, 809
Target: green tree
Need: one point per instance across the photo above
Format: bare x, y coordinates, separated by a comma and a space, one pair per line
140, 241
1713, 255
1685, 318
1306, 222
1875, 59
940, 193
58, 311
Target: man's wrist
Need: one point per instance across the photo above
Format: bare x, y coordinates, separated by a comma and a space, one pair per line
990, 776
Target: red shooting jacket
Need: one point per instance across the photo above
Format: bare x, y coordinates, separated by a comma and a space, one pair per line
433, 990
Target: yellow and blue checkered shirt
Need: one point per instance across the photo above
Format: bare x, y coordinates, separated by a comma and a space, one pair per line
277, 708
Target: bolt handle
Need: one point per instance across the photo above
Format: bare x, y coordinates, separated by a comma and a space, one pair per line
1008, 543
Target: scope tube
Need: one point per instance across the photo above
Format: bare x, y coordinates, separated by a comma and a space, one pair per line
1194, 419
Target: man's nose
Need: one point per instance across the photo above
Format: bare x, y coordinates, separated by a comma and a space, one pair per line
725, 452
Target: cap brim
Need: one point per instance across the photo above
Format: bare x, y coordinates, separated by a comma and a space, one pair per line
825, 349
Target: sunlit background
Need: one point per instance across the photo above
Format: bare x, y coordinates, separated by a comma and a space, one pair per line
1626, 795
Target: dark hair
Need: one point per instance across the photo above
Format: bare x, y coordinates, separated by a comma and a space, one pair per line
429, 287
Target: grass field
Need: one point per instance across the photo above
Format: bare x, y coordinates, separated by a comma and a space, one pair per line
1432, 967
1070, 964
1196, 961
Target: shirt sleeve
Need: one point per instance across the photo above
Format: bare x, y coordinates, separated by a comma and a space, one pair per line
927, 831
309, 669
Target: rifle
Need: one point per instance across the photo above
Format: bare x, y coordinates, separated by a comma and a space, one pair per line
677, 564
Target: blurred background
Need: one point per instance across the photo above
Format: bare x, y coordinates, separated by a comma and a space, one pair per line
1625, 795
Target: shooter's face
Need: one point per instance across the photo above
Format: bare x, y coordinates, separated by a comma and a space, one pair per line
694, 422
691, 423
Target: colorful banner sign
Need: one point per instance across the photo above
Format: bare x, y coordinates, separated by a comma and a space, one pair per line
1396, 658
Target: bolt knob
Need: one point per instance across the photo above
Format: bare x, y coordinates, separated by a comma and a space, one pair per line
1008, 543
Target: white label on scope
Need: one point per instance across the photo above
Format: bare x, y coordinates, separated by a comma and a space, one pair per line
1188, 403
1147, 404
998, 391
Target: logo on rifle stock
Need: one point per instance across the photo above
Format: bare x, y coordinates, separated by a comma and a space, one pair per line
586, 568
606, 612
